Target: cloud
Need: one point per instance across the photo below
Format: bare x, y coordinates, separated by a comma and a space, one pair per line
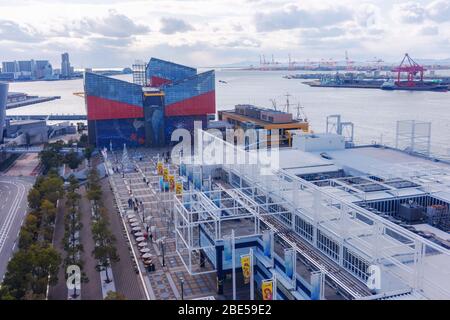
115, 25
292, 17
367, 15
429, 31
243, 42
331, 32
410, 12
12, 31
439, 10
174, 25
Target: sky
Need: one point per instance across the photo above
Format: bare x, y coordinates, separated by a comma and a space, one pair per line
112, 33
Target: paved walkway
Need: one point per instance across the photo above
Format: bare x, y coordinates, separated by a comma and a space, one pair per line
92, 289
165, 282
125, 275
59, 291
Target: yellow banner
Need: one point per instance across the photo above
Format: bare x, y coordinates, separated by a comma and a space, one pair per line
160, 168
171, 182
267, 289
166, 174
179, 188
246, 268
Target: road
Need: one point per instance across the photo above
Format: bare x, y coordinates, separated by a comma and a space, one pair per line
13, 209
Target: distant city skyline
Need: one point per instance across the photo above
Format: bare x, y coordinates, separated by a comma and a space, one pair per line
107, 34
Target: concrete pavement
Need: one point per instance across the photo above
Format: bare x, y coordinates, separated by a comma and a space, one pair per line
13, 209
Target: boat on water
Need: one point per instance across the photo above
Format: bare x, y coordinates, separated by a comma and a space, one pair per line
416, 86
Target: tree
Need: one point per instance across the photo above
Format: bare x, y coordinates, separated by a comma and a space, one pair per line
73, 183
72, 160
105, 251
51, 188
48, 211
50, 158
28, 232
84, 140
29, 271
34, 198
88, 150
112, 295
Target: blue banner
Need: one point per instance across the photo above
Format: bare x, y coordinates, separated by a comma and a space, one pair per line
227, 248
216, 198
316, 279
289, 262
187, 201
182, 169
190, 173
161, 183
198, 181
267, 243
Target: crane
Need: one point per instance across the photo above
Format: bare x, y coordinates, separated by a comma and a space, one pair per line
411, 68
349, 62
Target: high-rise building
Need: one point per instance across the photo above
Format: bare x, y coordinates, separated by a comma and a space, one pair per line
66, 69
43, 69
10, 66
122, 112
26, 66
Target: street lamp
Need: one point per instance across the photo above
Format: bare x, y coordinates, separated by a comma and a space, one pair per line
162, 249
182, 288
161, 242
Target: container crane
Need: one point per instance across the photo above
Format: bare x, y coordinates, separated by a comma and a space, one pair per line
349, 62
411, 68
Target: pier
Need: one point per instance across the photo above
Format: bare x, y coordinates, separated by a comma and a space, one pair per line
50, 117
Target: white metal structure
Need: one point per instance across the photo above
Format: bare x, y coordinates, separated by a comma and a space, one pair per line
413, 136
350, 236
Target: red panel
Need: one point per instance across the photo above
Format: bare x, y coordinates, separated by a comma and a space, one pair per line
158, 82
104, 109
198, 105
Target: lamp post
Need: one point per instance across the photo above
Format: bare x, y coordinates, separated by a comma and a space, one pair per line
182, 288
161, 243
162, 249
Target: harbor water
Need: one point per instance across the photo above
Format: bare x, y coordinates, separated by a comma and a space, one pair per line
374, 112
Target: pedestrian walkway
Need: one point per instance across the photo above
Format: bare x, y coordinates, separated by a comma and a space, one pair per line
59, 291
92, 289
125, 273
166, 281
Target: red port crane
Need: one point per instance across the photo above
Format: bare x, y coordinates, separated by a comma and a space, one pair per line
410, 67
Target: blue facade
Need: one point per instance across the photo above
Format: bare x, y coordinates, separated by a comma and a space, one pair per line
120, 131
112, 89
182, 122
154, 120
168, 70
190, 87
124, 112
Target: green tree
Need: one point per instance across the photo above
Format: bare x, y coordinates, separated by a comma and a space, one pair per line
51, 188
84, 140
48, 210
112, 295
50, 159
105, 251
72, 160
73, 183
29, 271
88, 150
34, 198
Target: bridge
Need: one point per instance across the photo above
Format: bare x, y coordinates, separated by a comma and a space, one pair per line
35, 149
30, 100
50, 117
